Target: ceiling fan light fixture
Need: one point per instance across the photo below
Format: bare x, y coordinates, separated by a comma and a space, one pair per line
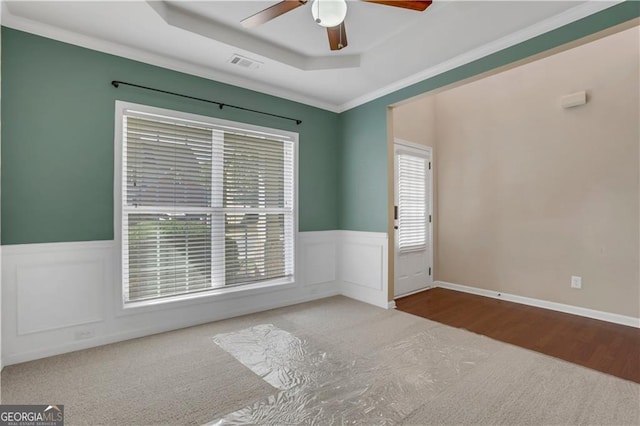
329, 13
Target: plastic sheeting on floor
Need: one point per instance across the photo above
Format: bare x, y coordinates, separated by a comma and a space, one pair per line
316, 387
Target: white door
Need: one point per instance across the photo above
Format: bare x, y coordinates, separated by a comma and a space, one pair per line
413, 218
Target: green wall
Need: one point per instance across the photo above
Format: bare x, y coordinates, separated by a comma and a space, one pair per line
363, 192
58, 122
57, 137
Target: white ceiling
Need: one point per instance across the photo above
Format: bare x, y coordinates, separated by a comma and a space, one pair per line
388, 48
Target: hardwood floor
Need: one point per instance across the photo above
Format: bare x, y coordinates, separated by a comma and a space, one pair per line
600, 345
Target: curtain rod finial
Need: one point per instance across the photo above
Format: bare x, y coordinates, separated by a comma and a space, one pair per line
115, 83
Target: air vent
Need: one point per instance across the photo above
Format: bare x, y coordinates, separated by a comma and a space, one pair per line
244, 62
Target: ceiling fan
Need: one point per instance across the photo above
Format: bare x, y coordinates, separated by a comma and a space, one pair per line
327, 13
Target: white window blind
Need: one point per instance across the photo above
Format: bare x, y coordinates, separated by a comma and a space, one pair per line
412, 206
204, 206
257, 202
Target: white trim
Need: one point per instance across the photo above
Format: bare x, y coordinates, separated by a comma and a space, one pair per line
412, 145
560, 307
391, 305
344, 234
414, 292
325, 235
204, 297
581, 11
550, 24
37, 248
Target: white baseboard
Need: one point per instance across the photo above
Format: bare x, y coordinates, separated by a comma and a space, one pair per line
416, 291
391, 305
560, 307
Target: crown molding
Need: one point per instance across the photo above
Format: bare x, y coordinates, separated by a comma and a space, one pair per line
19, 23
574, 14
48, 31
197, 24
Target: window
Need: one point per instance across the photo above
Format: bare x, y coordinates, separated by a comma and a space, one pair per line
412, 201
205, 204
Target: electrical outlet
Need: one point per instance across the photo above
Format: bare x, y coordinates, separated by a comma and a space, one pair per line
84, 334
576, 282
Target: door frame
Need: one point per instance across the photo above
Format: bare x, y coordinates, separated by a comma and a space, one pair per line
420, 149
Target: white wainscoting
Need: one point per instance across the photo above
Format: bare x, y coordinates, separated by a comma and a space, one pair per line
318, 257
362, 267
61, 297
1, 361
43, 289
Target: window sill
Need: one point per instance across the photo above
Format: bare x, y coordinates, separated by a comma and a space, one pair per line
214, 295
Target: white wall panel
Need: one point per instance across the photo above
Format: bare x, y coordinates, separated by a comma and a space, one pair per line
61, 297
57, 295
319, 257
363, 266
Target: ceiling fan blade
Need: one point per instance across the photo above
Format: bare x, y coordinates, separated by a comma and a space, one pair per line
337, 37
419, 5
271, 12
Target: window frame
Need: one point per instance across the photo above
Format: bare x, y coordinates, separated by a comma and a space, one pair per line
216, 294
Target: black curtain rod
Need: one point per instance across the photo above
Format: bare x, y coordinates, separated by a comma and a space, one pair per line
116, 83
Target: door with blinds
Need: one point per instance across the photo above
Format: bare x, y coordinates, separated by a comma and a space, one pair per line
412, 218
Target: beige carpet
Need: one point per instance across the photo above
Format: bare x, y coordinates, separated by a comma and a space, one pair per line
333, 361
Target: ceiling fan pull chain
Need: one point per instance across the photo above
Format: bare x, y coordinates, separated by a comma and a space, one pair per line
317, 4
